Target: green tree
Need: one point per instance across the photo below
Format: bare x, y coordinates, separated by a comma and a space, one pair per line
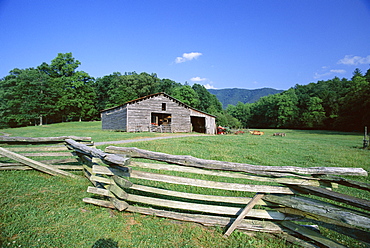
287, 111
354, 106
75, 88
207, 101
102, 88
28, 96
168, 86
78, 98
187, 95
241, 112
264, 112
64, 65
313, 113
116, 89
226, 120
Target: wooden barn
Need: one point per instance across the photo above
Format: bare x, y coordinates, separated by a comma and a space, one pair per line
157, 113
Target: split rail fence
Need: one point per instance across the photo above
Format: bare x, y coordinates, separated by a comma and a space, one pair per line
192, 189
46, 154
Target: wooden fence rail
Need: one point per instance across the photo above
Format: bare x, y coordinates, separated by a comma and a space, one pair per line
215, 193
49, 154
272, 202
229, 166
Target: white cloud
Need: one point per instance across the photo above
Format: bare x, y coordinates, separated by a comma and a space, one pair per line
330, 72
208, 86
354, 60
338, 71
187, 57
318, 75
198, 79
206, 82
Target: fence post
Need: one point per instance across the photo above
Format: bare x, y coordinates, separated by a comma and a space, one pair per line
366, 142
245, 211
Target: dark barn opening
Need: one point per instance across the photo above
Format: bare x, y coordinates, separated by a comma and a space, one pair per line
199, 124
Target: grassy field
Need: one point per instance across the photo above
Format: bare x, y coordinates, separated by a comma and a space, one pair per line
38, 210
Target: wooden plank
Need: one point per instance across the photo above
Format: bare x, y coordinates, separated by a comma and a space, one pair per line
171, 167
118, 204
315, 236
60, 161
244, 213
85, 160
35, 164
19, 166
88, 175
331, 224
346, 182
81, 148
99, 191
47, 154
205, 208
321, 209
110, 171
14, 166
117, 191
38, 148
221, 165
226, 199
329, 194
102, 203
123, 183
201, 197
94, 152
87, 168
208, 220
101, 179
41, 139
209, 184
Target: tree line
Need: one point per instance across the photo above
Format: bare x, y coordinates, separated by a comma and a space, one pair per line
336, 104
58, 92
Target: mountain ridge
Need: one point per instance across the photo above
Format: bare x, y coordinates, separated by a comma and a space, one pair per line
234, 95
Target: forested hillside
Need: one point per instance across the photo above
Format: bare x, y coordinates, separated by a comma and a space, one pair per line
235, 95
339, 104
58, 92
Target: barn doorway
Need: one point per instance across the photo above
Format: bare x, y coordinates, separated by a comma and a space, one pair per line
159, 119
199, 124
161, 122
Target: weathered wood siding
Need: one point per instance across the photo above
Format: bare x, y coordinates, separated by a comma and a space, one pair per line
115, 119
139, 114
135, 116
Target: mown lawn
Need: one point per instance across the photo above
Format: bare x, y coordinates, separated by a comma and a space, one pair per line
38, 210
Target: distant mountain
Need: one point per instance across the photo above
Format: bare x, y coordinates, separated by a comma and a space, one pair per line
235, 95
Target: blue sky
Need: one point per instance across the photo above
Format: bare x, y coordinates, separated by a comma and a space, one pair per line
220, 44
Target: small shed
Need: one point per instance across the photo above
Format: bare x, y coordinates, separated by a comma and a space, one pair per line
157, 113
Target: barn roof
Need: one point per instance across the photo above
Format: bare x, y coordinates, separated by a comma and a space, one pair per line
154, 95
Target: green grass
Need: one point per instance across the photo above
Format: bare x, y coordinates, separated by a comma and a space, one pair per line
81, 129
38, 210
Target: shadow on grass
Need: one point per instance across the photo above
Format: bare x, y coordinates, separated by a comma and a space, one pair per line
105, 243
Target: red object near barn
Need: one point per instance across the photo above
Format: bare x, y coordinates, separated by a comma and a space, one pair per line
221, 130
